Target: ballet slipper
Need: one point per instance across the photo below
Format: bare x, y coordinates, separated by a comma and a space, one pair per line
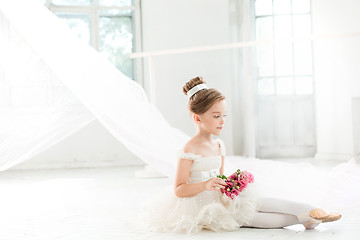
307, 221
320, 214
316, 216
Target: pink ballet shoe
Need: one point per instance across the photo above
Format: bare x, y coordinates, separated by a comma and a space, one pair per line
320, 214
316, 216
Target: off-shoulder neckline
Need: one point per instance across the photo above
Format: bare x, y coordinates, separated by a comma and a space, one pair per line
218, 140
199, 155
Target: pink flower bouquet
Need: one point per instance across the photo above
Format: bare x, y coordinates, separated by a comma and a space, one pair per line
236, 182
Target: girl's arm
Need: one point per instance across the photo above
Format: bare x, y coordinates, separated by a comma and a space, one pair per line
185, 189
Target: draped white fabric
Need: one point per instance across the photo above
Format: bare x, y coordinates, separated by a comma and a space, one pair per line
39, 53
31, 120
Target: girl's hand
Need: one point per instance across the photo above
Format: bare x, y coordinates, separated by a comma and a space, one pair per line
214, 184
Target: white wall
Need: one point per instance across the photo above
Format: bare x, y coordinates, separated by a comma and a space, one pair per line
356, 125
92, 146
181, 24
337, 76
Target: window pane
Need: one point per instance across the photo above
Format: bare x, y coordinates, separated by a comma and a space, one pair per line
116, 12
284, 86
302, 25
279, 63
282, 7
283, 58
119, 3
265, 60
282, 26
301, 6
72, 2
302, 58
263, 7
266, 86
116, 40
78, 23
303, 85
264, 29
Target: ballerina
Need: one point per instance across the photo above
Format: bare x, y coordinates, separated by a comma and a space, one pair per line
196, 201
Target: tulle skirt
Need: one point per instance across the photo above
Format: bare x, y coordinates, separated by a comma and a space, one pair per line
212, 210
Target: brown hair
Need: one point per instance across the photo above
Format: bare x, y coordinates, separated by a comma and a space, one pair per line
201, 101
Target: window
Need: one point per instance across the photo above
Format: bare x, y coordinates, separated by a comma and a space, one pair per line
284, 68
107, 25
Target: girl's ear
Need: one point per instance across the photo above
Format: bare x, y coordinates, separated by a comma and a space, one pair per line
196, 118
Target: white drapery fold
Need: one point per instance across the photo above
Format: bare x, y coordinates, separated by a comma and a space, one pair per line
244, 76
31, 121
119, 103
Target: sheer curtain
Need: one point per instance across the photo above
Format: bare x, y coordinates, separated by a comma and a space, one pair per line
36, 109
244, 76
55, 84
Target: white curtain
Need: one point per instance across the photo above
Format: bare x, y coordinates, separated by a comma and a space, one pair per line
36, 109
43, 67
244, 76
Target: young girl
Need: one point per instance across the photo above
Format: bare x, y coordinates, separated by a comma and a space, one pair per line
196, 201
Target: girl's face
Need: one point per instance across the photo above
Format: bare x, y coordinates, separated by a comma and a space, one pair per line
213, 119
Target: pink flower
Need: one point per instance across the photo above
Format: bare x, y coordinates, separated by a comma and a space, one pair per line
236, 183
233, 176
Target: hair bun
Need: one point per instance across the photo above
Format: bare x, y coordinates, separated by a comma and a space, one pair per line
201, 100
192, 83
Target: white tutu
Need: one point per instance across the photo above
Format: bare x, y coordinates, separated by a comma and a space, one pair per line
165, 212
212, 210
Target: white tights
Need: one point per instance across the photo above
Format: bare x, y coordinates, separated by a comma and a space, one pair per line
278, 213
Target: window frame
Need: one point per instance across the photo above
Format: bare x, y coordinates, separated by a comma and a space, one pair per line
275, 75
93, 10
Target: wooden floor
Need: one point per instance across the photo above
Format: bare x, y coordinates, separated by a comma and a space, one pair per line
102, 204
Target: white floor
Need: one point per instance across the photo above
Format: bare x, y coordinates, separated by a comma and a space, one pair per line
102, 204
